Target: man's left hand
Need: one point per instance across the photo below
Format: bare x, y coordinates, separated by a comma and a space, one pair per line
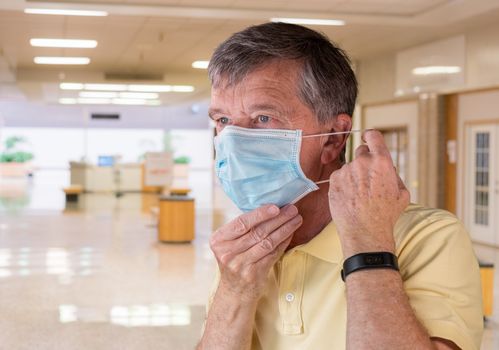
366, 198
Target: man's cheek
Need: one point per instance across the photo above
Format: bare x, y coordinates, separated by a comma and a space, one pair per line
310, 161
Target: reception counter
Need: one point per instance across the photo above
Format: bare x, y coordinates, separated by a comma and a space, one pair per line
126, 177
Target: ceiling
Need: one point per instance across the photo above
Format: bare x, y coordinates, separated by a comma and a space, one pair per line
159, 39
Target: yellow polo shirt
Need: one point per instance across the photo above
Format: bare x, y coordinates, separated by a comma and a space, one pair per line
305, 305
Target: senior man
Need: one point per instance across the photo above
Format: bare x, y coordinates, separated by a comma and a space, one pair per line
327, 255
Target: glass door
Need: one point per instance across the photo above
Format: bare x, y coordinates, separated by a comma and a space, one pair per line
482, 185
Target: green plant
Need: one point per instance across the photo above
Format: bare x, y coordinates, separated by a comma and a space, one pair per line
182, 160
11, 155
12, 141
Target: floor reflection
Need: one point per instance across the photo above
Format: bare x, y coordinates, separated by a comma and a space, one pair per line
94, 276
65, 263
155, 315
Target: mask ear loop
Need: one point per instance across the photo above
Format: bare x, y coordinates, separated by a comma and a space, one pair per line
321, 182
328, 134
332, 133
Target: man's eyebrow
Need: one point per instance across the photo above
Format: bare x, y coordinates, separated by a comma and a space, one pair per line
212, 111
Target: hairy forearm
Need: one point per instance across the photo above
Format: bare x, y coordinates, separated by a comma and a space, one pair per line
229, 324
379, 315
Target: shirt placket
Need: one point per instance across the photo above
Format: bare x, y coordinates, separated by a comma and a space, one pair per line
292, 276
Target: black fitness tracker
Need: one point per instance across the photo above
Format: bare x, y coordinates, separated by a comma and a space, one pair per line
364, 261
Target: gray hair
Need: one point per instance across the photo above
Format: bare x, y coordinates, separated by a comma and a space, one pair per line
327, 82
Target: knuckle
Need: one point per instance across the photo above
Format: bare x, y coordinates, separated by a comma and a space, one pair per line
286, 229
256, 234
233, 266
267, 244
224, 259
248, 275
241, 226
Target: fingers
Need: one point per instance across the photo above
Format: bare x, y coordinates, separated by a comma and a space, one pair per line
400, 183
375, 142
404, 192
271, 244
270, 259
258, 233
361, 150
245, 222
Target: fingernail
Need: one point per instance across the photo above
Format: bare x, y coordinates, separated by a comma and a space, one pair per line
297, 219
290, 210
273, 210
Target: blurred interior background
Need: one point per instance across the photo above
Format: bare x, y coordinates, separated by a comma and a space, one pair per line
106, 149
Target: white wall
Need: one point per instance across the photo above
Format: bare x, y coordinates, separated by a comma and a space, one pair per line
130, 144
34, 114
377, 75
55, 147
196, 144
52, 147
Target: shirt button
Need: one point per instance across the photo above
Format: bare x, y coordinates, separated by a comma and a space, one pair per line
290, 297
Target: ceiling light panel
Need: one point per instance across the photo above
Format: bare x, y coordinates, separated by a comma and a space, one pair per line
62, 60
68, 101
71, 86
98, 94
62, 12
140, 95
200, 64
94, 101
106, 87
182, 88
150, 88
65, 43
140, 91
430, 70
125, 101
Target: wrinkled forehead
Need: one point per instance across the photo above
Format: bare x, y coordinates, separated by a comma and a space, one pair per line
223, 78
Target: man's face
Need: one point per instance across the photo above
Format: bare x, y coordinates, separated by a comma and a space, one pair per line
268, 98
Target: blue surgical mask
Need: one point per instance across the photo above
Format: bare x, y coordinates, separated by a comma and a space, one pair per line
262, 166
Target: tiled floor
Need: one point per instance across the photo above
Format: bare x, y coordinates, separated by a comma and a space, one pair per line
95, 277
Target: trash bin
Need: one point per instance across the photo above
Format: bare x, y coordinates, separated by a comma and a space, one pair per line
487, 277
176, 219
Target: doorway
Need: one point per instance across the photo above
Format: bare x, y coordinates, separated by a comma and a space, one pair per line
482, 183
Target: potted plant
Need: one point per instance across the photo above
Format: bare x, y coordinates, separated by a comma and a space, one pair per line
181, 166
15, 159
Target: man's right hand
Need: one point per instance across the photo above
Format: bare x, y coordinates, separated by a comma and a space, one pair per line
247, 247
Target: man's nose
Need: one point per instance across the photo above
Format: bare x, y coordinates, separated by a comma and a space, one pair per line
243, 122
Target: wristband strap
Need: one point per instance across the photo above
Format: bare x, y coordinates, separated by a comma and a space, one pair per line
374, 260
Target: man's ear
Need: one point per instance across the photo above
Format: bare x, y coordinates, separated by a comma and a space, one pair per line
335, 143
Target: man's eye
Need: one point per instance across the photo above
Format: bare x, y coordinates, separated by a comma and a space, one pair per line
223, 120
263, 118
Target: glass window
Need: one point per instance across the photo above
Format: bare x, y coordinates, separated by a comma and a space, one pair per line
482, 179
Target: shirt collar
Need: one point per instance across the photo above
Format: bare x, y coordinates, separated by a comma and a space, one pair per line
326, 245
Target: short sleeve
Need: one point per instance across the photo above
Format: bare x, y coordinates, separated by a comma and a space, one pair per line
442, 278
